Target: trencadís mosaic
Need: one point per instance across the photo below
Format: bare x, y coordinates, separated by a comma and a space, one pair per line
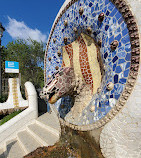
120, 64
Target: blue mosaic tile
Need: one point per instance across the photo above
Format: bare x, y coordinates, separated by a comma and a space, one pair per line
114, 11
125, 39
127, 65
128, 57
117, 97
128, 47
121, 61
105, 55
108, 12
114, 66
122, 80
108, 109
118, 38
120, 20
111, 6
118, 69
126, 72
106, 27
121, 54
111, 39
124, 32
115, 79
118, 15
113, 53
115, 59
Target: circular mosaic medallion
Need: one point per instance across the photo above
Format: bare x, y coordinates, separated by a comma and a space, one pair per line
112, 27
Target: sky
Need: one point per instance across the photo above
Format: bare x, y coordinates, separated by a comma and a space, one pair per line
28, 18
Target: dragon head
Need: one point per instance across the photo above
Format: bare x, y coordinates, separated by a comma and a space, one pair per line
59, 85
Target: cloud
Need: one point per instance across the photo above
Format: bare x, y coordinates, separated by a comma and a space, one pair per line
18, 29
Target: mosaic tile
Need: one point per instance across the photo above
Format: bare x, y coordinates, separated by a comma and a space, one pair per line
83, 57
117, 62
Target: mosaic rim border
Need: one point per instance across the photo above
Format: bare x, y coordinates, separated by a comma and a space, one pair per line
130, 20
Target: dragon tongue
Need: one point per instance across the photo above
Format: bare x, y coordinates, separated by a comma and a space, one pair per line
53, 99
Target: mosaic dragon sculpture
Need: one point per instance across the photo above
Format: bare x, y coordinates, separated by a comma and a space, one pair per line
64, 82
78, 78
60, 84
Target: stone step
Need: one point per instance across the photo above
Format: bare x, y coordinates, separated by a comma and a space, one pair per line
14, 149
49, 120
2, 153
44, 121
27, 142
48, 128
42, 135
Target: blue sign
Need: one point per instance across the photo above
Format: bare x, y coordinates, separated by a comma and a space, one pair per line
11, 67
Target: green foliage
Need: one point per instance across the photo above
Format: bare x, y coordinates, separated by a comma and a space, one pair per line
8, 117
3, 98
30, 55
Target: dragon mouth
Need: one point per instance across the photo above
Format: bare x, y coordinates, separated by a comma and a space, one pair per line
51, 95
52, 98
50, 90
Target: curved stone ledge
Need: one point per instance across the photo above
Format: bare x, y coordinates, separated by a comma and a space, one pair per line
20, 121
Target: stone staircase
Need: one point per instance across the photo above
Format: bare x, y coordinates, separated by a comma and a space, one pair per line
45, 131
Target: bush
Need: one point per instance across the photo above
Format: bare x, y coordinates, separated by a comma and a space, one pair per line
3, 98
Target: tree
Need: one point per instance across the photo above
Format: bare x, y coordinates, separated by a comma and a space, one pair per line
30, 55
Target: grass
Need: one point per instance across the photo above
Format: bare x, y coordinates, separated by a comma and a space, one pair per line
8, 117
